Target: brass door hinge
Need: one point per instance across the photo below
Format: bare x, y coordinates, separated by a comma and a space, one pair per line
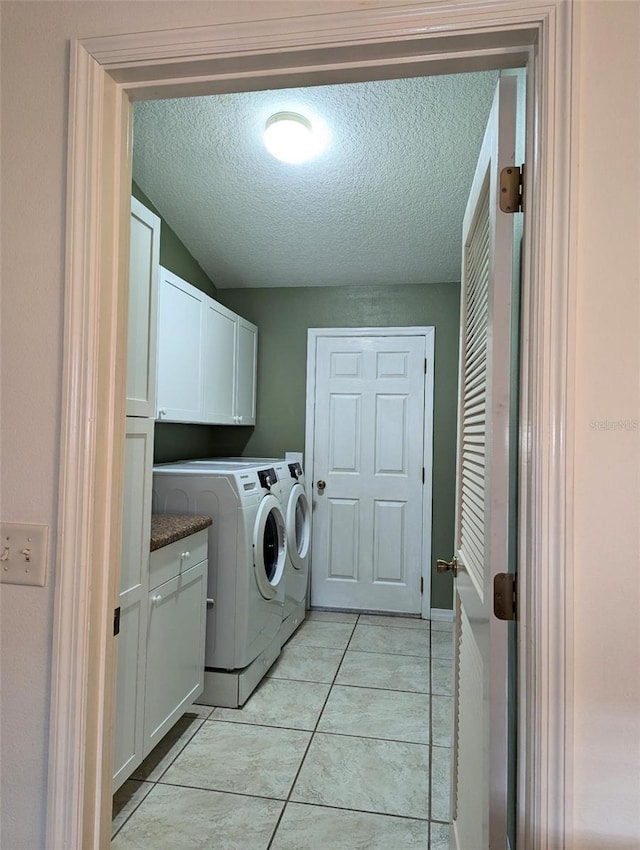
116, 621
512, 189
505, 596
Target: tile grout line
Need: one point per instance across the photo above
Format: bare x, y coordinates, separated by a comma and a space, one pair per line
430, 795
325, 732
428, 659
364, 812
154, 782
364, 687
313, 732
135, 809
425, 655
245, 794
158, 781
432, 745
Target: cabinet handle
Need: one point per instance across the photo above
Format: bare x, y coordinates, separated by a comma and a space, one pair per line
185, 555
162, 412
156, 600
240, 419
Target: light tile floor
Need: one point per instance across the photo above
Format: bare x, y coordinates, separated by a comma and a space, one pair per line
344, 746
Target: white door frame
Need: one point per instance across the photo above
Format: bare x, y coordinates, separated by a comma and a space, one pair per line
428, 333
374, 42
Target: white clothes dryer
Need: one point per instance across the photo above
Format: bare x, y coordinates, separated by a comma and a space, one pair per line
297, 515
280, 466
247, 559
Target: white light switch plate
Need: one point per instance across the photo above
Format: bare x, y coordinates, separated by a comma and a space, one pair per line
23, 553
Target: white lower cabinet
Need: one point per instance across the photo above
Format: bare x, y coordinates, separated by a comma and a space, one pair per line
175, 651
134, 590
161, 642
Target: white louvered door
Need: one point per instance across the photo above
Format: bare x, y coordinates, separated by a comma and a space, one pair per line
480, 769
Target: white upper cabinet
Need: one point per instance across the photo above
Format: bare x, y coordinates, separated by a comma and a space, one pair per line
207, 358
181, 335
220, 364
144, 263
246, 369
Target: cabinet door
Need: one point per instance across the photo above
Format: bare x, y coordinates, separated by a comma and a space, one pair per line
129, 729
246, 369
180, 350
175, 650
220, 364
144, 263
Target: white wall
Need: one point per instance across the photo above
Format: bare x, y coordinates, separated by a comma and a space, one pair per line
34, 101
35, 48
607, 481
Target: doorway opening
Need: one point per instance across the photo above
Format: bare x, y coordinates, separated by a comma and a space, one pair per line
85, 659
418, 260
369, 232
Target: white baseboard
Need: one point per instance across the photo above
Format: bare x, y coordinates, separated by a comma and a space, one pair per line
444, 615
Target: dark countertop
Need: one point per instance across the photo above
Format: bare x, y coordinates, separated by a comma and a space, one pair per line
167, 528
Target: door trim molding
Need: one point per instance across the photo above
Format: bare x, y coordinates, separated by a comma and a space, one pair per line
428, 333
368, 43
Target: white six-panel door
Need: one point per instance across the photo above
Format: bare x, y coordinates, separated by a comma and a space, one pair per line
368, 455
479, 794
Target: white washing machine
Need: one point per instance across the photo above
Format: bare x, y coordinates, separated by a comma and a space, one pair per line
247, 559
297, 515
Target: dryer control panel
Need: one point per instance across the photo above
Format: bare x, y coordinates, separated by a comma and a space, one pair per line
267, 478
296, 470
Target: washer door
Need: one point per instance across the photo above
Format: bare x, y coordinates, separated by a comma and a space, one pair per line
269, 546
298, 526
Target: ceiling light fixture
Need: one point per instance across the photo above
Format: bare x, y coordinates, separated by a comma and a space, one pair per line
290, 137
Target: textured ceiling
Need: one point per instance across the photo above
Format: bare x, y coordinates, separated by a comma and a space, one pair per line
382, 204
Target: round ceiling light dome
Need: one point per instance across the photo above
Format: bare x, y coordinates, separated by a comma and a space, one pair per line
290, 137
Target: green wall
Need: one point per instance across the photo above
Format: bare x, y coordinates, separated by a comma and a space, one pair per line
283, 316
173, 253
173, 441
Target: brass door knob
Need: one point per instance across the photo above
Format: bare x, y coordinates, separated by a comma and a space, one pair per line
446, 566
321, 485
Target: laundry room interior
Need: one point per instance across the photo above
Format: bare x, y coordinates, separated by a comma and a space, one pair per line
346, 727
